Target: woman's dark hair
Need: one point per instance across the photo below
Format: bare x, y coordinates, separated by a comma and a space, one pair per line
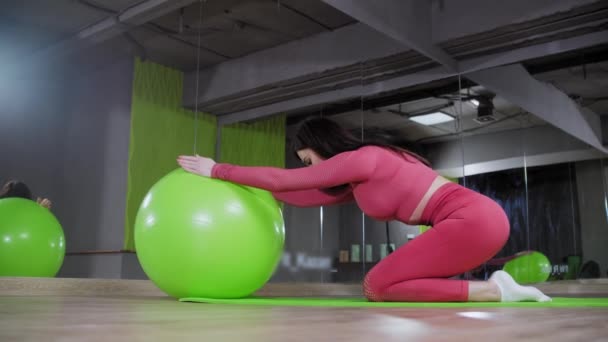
327, 139
15, 188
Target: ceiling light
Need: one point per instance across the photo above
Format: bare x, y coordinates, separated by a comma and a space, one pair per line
475, 102
432, 118
485, 111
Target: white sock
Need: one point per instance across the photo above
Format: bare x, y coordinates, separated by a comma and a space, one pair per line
511, 291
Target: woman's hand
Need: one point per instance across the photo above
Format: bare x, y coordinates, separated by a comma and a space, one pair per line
45, 202
196, 164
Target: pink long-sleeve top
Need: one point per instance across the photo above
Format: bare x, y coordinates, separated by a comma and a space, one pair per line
386, 185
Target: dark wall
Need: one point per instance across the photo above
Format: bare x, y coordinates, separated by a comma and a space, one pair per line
542, 206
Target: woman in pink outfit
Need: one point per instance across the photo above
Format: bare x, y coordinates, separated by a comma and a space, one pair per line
389, 182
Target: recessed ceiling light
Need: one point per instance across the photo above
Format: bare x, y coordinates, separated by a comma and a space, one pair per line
432, 118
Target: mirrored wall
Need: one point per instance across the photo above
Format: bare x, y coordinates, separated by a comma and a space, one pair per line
551, 185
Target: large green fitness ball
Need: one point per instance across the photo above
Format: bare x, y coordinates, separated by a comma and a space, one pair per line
533, 267
202, 237
32, 243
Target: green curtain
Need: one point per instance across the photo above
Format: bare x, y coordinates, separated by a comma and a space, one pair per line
160, 130
260, 143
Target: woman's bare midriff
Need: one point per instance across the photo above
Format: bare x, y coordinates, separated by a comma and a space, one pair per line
417, 214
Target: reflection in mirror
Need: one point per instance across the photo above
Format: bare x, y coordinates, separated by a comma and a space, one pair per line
567, 181
550, 184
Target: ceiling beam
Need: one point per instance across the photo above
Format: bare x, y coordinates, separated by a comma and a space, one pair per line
437, 73
406, 21
303, 57
516, 85
108, 28
456, 19
534, 51
356, 43
353, 92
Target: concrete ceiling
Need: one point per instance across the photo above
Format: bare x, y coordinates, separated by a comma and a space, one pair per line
236, 28
587, 84
505, 117
262, 57
228, 28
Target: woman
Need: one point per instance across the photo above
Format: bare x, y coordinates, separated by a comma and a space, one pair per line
389, 182
19, 189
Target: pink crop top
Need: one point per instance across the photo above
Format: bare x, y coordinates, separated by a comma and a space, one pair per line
385, 184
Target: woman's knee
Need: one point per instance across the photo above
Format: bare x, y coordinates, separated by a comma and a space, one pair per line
373, 287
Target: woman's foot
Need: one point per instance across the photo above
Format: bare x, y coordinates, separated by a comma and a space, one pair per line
511, 291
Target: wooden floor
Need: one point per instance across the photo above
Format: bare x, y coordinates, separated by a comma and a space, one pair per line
107, 310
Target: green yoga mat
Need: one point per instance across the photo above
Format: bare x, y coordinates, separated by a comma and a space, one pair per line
360, 302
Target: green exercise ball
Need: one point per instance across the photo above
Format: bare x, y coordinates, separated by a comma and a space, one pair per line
202, 237
32, 243
533, 267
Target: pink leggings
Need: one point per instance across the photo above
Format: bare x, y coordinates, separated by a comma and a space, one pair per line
467, 230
